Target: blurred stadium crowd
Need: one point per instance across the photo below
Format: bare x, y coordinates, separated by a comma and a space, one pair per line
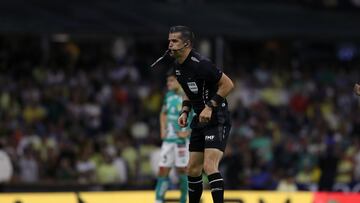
82, 113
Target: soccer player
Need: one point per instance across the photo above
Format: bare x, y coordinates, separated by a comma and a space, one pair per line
174, 149
206, 88
357, 89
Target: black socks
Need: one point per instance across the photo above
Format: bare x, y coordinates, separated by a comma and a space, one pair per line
195, 189
217, 187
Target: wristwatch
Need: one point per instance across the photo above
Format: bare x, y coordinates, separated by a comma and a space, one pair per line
210, 104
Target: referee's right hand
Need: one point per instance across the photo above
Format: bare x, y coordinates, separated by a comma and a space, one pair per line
182, 120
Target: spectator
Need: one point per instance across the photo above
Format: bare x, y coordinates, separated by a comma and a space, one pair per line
65, 171
287, 183
28, 166
85, 167
106, 171
6, 171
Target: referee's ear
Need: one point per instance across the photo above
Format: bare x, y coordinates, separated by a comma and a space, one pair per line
188, 43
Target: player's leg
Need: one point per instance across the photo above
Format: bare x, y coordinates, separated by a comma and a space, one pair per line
162, 184
166, 162
183, 180
181, 160
215, 142
195, 166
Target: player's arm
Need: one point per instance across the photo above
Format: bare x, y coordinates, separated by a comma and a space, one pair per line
357, 89
185, 110
163, 123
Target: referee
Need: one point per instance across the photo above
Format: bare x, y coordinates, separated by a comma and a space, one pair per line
205, 87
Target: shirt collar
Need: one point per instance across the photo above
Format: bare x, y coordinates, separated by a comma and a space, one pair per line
187, 59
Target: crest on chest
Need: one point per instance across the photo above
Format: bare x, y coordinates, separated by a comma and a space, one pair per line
193, 87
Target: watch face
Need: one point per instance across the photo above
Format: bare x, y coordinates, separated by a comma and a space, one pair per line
209, 104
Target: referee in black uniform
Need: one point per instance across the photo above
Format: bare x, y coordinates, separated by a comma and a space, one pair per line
205, 87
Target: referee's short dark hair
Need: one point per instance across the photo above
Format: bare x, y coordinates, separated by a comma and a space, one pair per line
186, 33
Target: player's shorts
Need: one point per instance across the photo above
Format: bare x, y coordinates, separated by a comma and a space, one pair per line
211, 135
174, 154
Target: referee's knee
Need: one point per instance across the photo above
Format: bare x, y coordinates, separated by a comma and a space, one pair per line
194, 171
210, 168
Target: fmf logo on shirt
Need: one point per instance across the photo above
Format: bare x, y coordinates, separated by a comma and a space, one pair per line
209, 137
193, 87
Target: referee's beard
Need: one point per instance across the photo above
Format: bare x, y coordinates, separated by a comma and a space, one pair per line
180, 55
174, 53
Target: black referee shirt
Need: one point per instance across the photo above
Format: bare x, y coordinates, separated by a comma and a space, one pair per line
198, 77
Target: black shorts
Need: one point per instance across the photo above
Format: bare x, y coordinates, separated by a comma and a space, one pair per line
211, 135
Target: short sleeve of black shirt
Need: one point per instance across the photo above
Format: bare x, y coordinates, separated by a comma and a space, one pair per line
208, 72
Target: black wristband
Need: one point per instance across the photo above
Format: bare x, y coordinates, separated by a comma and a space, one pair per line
217, 99
186, 103
184, 111
210, 104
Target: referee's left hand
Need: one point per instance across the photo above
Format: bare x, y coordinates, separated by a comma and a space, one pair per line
205, 115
